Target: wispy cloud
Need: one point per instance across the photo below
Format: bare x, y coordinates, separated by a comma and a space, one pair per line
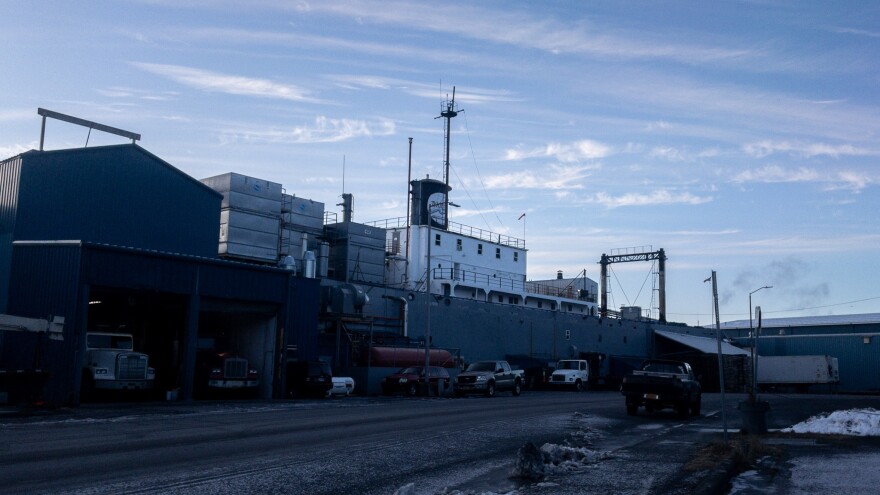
15, 149
10, 115
857, 32
850, 180
853, 181
700, 233
323, 130
469, 95
659, 197
526, 31
555, 177
565, 153
226, 83
123, 92
765, 148
775, 173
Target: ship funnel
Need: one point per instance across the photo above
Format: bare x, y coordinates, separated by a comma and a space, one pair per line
429, 199
558, 274
347, 201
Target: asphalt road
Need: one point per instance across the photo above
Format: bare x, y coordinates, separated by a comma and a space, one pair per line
369, 445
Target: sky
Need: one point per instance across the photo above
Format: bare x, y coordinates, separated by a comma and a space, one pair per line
740, 136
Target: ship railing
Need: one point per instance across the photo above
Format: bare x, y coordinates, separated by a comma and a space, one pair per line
389, 223
457, 228
504, 283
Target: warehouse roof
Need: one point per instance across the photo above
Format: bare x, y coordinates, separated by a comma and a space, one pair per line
703, 344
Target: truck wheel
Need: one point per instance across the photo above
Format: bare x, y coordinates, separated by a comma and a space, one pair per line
579, 386
632, 409
490, 389
87, 388
517, 388
683, 409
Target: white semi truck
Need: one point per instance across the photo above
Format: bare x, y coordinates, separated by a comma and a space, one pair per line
112, 364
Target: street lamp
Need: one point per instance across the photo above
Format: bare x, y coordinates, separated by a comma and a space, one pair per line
754, 344
431, 207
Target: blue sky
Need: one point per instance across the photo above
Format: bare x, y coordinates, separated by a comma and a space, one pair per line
741, 137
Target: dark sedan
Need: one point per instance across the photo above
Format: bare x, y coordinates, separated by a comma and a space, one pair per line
411, 380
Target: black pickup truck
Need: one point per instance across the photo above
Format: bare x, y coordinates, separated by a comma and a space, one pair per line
662, 384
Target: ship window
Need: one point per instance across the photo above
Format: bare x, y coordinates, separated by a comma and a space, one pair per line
501, 299
540, 304
479, 249
498, 253
515, 256
436, 239
458, 244
553, 306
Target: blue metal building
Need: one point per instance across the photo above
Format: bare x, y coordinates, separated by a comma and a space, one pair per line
114, 238
853, 339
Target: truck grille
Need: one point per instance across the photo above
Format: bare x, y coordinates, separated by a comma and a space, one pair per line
467, 379
131, 367
235, 368
557, 378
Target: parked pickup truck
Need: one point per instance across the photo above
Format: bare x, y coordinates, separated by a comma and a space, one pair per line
488, 377
112, 364
662, 384
571, 373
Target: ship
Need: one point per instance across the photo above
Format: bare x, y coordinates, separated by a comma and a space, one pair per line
424, 282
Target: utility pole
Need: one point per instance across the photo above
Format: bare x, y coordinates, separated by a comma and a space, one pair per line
720, 359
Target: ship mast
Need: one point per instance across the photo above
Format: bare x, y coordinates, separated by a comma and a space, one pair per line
448, 112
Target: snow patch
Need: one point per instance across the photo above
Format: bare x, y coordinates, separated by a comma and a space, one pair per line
855, 422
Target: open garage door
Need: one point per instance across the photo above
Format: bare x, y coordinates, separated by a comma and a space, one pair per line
236, 350
155, 322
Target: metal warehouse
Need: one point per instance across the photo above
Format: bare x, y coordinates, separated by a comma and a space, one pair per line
854, 340
114, 239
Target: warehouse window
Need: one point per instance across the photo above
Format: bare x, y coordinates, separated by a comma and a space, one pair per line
479, 249
516, 256
458, 244
437, 239
498, 253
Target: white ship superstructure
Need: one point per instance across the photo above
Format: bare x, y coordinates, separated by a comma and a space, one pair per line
454, 260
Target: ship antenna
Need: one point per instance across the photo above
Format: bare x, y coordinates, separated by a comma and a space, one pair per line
448, 112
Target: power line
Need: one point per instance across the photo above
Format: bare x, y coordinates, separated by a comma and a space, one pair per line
480, 176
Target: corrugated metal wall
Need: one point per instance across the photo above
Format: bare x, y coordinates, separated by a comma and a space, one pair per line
120, 195
858, 358
54, 278
357, 252
47, 283
10, 175
302, 321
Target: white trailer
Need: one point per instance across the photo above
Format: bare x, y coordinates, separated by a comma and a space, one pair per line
797, 372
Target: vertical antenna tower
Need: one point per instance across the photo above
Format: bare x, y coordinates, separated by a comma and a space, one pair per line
448, 111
